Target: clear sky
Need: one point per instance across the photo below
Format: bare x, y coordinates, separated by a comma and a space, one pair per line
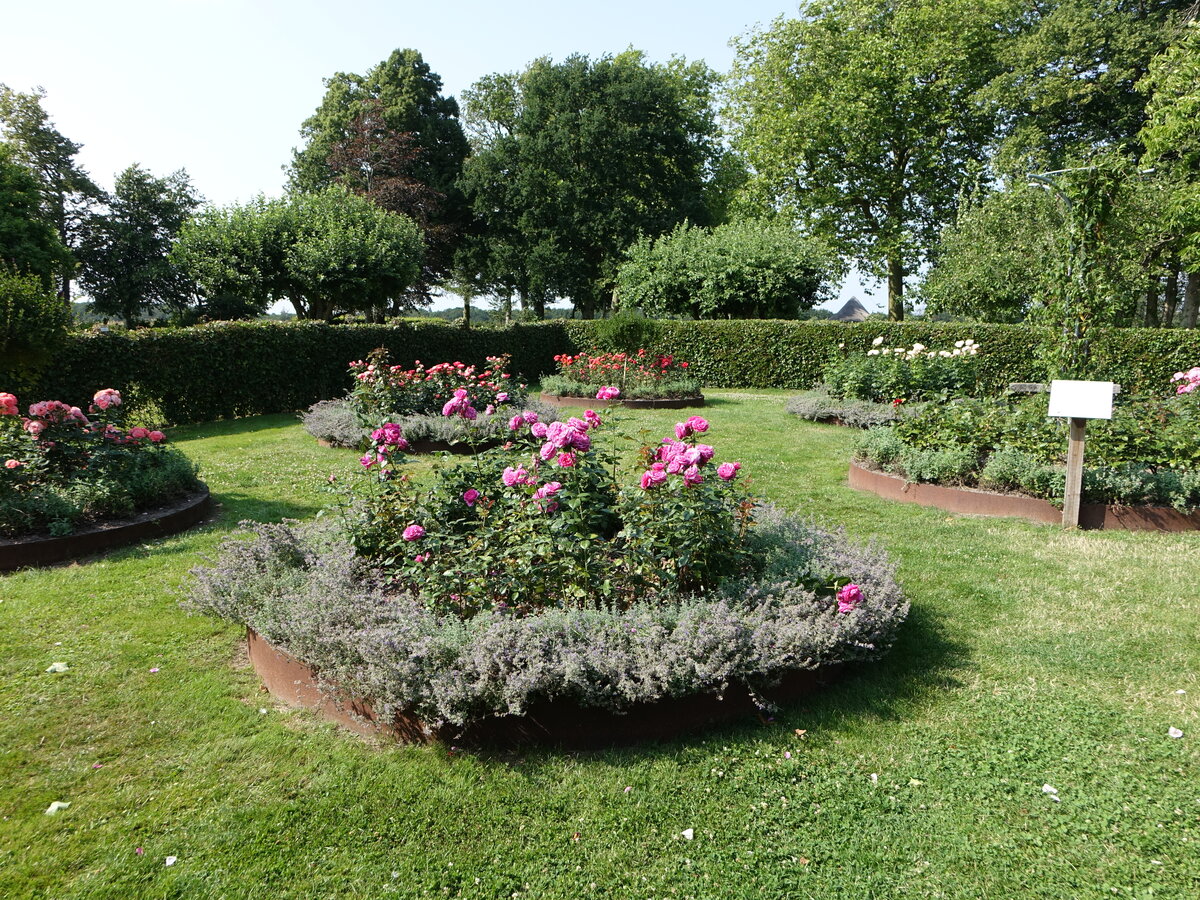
220, 87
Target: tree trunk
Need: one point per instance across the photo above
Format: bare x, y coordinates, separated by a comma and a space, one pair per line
1150, 318
895, 290
1171, 296
539, 305
508, 308
1191, 299
466, 311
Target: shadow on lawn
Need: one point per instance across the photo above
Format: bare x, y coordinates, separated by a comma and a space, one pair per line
227, 427
233, 507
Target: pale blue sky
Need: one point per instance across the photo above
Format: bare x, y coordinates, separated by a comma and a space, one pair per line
220, 87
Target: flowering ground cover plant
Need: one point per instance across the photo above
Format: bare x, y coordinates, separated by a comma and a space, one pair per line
636, 376
818, 406
885, 374
60, 466
554, 567
1147, 454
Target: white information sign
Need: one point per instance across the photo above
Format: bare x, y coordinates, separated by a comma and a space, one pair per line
1081, 399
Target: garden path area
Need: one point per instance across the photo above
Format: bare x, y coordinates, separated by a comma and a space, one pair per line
1032, 657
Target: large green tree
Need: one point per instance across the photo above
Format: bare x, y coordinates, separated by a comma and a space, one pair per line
576, 160
1068, 87
1171, 137
67, 192
124, 249
28, 244
327, 252
861, 119
749, 269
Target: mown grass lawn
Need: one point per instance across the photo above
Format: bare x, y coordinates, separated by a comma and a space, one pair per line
1032, 657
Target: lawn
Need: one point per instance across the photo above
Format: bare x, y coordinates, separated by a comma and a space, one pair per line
1032, 657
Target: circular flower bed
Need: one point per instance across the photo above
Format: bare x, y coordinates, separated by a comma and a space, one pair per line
63, 469
449, 406
632, 378
552, 569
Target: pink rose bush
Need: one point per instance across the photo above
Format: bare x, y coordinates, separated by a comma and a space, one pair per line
1189, 381
63, 465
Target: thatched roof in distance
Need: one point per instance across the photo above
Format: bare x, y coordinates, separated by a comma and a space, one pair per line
853, 311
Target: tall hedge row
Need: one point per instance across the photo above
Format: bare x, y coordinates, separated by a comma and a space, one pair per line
238, 369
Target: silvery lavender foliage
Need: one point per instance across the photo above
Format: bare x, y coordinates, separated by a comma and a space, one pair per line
336, 422
818, 406
303, 590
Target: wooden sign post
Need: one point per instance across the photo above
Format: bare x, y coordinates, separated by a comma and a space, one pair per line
1078, 401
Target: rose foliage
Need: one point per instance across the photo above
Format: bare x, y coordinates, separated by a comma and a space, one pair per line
60, 466
638, 375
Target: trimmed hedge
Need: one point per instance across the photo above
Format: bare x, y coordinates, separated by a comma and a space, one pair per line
230, 369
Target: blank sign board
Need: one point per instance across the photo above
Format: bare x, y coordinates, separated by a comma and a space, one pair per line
1081, 399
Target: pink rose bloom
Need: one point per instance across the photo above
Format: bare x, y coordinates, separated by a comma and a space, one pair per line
547, 489
692, 476
402, 444
414, 533
728, 471
515, 422
106, 398
461, 394
548, 450
581, 442
470, 496
450, 408
421, 558
529, 417
469, 413
8, 404
592, 418
512, 477
653, 476
577, 424
139, 432
368, 460
706, 452
157, 437
539, 430
697, 424
560, 434
489, 409
35, 427
501, 397
13, 464
675, 465
566, 460
608, 393
77, 414
848, 597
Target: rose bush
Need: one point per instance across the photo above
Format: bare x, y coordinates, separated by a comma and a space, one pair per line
62, 466
884, 374
637, 376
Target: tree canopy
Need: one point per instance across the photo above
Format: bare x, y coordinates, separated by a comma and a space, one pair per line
327, 252
859, 118
124, 248
576, 160
66, 190
749, 269
29, 245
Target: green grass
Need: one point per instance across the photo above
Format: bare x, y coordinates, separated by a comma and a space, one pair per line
1031, 656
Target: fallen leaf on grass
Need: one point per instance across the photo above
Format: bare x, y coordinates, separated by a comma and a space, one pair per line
58, 667
688, 834
171, 860
53, 808
1174, 732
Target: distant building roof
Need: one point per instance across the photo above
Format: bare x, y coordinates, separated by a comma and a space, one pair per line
853, 311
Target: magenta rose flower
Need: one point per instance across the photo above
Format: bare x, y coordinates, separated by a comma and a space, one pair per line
547, 489
501, 397
608, 393
414, 533
529, 417
8, 404
692, 476
698, 424
470, 495
13, 464
566, 459
157, 437
728, 471
682, 430
539, 430
512, 477
515, 422
848, 597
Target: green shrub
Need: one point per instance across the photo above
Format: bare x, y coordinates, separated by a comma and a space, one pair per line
33, 325
884, 374
1007, 469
